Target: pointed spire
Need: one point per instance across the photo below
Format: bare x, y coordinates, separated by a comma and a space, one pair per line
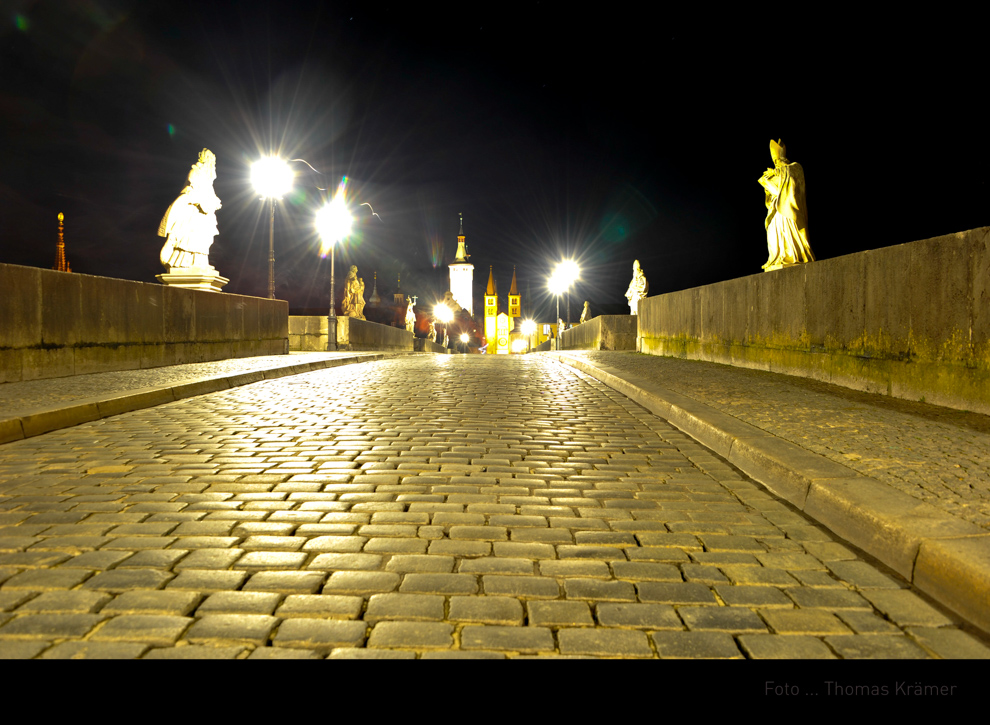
462, 255
61, 264
491, 282
461, 232
512, 288
374, 300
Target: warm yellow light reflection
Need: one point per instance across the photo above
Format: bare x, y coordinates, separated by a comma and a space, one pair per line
519, 346
271, 177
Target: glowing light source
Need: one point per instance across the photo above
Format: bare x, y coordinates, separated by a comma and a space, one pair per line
271, 177
465, 338
528, 328
334, 221
443, 313
568, 271
557, 285
519, 345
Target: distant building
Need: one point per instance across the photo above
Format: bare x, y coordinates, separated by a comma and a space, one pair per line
462, 274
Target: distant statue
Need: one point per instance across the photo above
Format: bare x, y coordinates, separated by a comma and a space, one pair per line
190, 223
353, 304
560, 326
637, 288
586, 313
446, 340
452, 305
432, 334
787, 215
410, 318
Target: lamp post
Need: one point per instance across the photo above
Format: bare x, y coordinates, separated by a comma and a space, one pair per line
272, 178
333, 222
528, 328
557, 285
445, 315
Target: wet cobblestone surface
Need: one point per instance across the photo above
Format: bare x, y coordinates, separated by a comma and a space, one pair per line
427, 506
938, 455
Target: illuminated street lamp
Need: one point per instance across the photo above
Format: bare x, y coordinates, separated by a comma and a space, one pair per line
464, 340
333, 222
445, 315
272, 178
569, 272
557, 286
528, 328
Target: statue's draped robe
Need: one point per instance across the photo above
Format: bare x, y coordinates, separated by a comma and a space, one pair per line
189, 224
787, 218
637, 291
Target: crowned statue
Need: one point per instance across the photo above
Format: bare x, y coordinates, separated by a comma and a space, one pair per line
787, 215
353, 302
189, 226
638, 288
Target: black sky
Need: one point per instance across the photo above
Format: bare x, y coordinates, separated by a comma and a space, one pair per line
609, 133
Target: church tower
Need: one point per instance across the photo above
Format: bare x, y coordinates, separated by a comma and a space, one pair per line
462, 274
515, 308
491, 311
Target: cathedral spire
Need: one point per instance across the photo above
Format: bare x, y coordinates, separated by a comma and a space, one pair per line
61, 264
491, 282
462, 255
512, 288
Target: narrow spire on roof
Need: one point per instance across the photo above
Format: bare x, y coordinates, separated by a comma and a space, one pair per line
512, 288
491, 282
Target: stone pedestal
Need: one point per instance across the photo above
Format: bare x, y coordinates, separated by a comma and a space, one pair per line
201, 278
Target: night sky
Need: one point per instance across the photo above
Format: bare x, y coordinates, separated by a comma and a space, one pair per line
606, 133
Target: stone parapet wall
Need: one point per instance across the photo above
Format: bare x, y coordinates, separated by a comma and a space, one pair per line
309, 333
423, 344
54, 324
605, 332
911, 321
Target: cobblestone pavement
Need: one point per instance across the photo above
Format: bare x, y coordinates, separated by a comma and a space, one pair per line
30, 394
426, 507
935, 454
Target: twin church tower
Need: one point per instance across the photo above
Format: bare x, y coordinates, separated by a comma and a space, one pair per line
498, 326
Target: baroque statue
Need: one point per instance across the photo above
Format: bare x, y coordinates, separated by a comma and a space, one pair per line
190, 223
410, 318
353, 302
787, 215
586, 313
638, 288
432, 334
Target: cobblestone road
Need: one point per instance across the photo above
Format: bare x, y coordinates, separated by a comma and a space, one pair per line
428, 506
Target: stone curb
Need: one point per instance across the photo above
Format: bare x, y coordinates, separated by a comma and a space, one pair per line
84, 410
943, 556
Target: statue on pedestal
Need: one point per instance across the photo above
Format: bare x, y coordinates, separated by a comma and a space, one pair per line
586, 313
190, 223
410, 318
637, 288
432, 334
353, 302
787, 215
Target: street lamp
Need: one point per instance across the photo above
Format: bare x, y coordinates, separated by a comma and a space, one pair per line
445, 315
528, 328
272, 178
333, 222
557, 285
464, 340
569, 272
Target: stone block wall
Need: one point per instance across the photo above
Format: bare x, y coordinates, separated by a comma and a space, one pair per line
54, 324
605, 332
911, 321
309, 333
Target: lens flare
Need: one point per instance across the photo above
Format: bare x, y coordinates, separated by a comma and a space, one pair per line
334, 221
